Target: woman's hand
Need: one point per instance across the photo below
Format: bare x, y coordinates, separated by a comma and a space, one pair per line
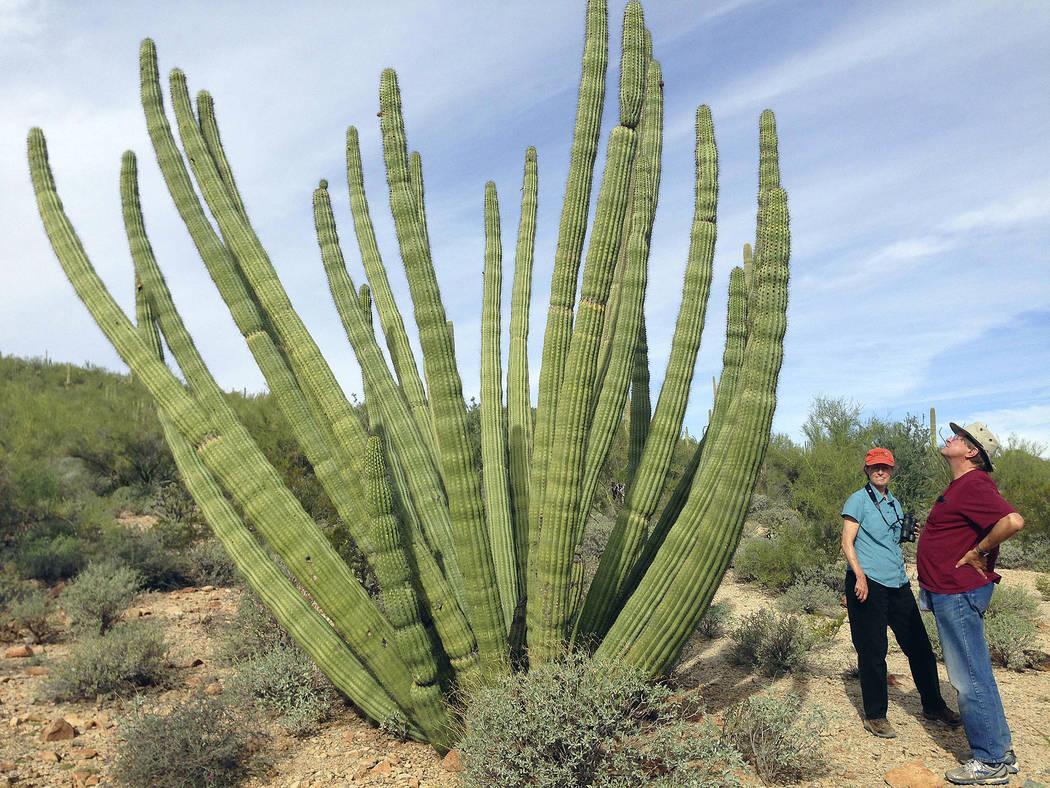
861, 588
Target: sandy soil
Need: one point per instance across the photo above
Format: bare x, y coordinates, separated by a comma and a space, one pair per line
348, 751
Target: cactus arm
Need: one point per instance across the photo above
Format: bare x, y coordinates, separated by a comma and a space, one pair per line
568, 253
493, 418
548, 604
641, 405
401, 602
228, 452
519, 404
291, 609
647, 483
446, 393
210, 130
660, 615
633, 62
389, 315
385, 392
433, 588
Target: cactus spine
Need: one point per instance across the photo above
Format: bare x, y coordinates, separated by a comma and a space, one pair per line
467, 572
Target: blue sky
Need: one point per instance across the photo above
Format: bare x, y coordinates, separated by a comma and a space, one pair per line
912, 143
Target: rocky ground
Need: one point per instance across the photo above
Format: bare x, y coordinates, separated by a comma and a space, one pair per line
349, 752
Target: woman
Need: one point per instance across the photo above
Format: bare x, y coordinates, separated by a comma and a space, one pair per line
878, 594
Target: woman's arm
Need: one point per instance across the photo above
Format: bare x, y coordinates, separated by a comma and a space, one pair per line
849, 536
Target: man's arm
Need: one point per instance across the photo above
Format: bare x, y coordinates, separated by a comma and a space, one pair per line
1000, 532
849, 536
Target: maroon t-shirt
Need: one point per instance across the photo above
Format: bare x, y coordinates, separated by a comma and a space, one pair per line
962, 516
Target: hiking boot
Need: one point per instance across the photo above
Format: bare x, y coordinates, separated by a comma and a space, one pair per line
974, 772
881, 727
944, 716
1010, 762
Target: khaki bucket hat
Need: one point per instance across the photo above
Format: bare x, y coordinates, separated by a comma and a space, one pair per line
981, 437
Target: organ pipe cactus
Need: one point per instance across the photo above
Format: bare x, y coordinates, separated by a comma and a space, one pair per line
470, 571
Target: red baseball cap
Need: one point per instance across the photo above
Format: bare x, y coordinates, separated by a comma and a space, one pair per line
879, 457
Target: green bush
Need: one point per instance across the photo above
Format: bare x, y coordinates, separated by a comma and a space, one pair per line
779, 735
161, 569
713, 624
583, 722
930, 622
771, 643
31, 612
51, 559
284, 682
208, 564
1010, 626
809, 596
253, 631
1025, 552
117, 664
776, 562
95, 600
1042, 585
198, 743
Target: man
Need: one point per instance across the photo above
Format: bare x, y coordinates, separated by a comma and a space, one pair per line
878, 594
956, 558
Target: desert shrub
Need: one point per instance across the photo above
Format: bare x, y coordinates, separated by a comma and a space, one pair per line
1025, 552
161, 569
1042, 585
99, 594
824, 627
583, 722
208, 564
50, 559
252, 631
809, 596
930, 623
31, 612
713, 624
284, 682
179, 521
119, 663
199, 742
779, 735
1010, 626
771, 643
776, 562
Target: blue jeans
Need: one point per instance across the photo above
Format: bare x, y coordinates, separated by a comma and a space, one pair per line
960, 623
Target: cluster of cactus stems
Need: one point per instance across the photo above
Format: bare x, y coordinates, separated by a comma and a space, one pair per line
479, 576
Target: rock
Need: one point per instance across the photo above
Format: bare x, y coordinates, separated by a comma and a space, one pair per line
17, 652
213, 689
7, 766
36, 670
50, 755
893, 680
452, 762
57, 730
78, 721
192, 662
413, 782
913, 774
85, 755
383, 767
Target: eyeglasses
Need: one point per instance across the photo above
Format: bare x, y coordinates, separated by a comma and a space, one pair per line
880, 468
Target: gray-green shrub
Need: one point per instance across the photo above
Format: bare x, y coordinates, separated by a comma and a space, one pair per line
809, 596
32, 612
284, 682
208, 564
119, 663
1010, 626
97, 597
252, 631
161, 569
771, 643
716, 619
582, 722
780, 736
50, 559
775, 562
198, 743
1042, 585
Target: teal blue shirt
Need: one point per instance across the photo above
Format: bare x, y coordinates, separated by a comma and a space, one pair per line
878, 540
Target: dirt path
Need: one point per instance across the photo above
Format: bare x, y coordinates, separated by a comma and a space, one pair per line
350, 752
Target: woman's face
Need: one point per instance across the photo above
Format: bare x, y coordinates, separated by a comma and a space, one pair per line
879, 474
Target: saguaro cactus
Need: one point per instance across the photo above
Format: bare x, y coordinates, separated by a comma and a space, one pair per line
467, 571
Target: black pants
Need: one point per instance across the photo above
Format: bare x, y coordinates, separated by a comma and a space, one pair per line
895, 608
